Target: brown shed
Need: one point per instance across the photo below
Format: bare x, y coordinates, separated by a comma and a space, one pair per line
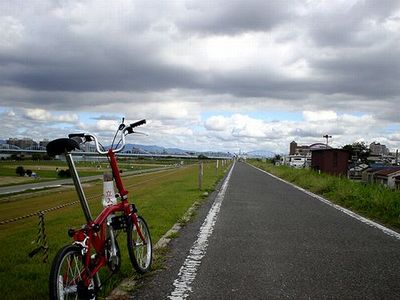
331, 161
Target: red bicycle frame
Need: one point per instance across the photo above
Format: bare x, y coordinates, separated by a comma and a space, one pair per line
93, 235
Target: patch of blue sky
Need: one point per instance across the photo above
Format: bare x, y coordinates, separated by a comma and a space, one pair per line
353, 113
392, 128
277, 116
91, 117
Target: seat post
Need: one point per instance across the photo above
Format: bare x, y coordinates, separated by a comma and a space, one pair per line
78, 187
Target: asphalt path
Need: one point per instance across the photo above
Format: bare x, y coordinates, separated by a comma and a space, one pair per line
273, 241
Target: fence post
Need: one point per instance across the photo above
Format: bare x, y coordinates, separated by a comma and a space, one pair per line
216, 168
41, 240
200, 175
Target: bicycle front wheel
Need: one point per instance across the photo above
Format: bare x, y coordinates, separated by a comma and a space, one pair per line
140, 253
65, 281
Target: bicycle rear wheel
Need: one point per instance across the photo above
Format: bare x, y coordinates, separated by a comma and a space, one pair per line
140, 253
65, 281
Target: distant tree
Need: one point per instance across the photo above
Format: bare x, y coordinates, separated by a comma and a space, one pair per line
15, 157
46, 157
29, 172
37, 156
276, 158
20, 171
359, 151
64, 173
202, 156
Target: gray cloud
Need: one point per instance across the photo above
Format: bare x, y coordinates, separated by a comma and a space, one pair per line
234, 17
351, 25
105, 56
60, 54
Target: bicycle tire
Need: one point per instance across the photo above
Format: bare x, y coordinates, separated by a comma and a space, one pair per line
140, 255
67, 263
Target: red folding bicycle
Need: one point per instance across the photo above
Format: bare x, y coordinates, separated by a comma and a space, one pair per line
74, 272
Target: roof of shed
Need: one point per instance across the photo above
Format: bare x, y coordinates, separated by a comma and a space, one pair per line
388, 171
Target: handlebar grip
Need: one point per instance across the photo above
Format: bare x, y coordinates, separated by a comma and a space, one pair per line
138, 123
72, 135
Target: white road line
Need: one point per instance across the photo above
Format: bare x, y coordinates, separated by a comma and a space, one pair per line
384, 229
188, 271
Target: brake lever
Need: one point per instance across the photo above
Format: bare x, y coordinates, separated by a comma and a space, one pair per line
122, 125
141, 133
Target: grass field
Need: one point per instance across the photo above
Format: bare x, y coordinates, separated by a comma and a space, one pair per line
373, 201
162, 198
47, 170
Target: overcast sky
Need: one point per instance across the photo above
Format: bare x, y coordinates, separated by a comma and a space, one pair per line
207, 75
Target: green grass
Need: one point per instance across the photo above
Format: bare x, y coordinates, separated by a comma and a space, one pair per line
46, 170
373, 201
162, 198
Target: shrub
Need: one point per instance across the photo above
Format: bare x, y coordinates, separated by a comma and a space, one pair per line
29, 172
64, 173
20, 171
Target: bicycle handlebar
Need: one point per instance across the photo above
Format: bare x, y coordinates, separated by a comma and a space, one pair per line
138, 123
88, 137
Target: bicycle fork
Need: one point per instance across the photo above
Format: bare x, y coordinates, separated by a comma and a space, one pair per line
112, 237
138, 229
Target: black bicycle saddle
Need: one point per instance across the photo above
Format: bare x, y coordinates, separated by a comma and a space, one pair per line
60, 146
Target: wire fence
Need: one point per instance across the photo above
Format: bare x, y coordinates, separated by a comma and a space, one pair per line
44, 211
42, 241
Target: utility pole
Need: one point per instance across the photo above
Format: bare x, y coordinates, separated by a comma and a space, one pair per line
327, 137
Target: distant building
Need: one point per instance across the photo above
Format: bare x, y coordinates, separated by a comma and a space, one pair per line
378, 149
87, 147
295, 149
300, 155
298, 161
355, 171
368, 175
331, 161
22, 143
44, 143
388, 176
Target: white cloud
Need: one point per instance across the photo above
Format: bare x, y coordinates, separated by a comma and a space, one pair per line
38, 114
324, 115
394, 137
216, 123
11, 32
106, 125
42, 115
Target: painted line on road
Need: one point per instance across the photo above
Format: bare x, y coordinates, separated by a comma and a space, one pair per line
366, 221
188, 271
